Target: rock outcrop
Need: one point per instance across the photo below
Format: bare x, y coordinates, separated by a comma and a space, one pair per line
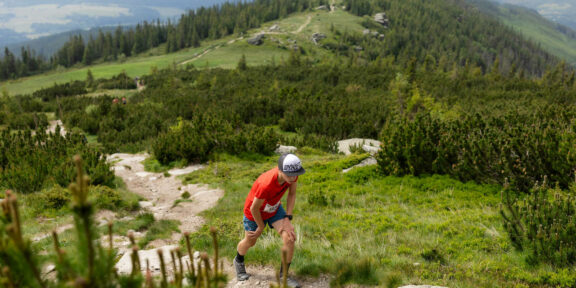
316, 37
382, 19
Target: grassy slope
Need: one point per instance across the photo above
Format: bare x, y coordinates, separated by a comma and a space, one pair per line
428, 230
538, 29
223, 53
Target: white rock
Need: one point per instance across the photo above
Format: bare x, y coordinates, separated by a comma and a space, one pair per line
145, 204
124, 265
285, 149
344, 145
365, 162
371, 149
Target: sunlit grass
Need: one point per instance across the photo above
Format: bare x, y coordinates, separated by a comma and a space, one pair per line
410, 230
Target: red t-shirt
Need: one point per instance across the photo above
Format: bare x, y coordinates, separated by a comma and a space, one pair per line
266, 187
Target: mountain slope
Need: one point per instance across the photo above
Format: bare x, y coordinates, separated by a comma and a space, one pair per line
437, 34
554, 38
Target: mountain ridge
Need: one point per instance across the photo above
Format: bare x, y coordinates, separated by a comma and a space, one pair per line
558, 11
555, 38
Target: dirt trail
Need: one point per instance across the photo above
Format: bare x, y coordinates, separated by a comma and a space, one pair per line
303, 25
202, 54
161, 193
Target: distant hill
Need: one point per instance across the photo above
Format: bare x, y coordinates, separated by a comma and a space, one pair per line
558, 11
48, 45
555, 38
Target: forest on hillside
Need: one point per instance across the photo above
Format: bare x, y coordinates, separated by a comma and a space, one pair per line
198, 25
446, 32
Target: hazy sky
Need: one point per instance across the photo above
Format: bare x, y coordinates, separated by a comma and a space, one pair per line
548, 7
33, 19
23, 19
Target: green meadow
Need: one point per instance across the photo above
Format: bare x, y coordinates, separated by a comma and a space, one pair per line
365, 228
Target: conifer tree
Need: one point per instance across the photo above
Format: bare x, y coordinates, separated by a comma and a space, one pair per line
242, 63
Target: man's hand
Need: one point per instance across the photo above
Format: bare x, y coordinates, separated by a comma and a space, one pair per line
286, 225
255, 234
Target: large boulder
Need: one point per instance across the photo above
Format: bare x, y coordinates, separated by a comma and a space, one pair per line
274, 28
256, 40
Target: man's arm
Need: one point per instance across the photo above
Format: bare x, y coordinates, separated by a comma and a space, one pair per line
291, 199
255, 209
290, 202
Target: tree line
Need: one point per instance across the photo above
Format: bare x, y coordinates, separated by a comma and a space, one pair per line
192, 28
434, 33
27, 64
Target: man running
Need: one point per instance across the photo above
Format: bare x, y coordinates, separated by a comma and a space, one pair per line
263, 207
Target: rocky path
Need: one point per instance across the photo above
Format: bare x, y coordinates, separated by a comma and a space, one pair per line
161, 192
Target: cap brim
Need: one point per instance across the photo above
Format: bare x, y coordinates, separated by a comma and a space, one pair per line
295, 173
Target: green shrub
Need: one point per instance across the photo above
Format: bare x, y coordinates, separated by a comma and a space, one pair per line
105, 197
142, 222
161, 229
519, 147
320, 198
61, 90
41, 160
48, 201
545, 227
433, 255
195, 141
360, 271
56, 197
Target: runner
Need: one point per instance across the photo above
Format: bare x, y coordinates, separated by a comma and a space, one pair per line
263, 207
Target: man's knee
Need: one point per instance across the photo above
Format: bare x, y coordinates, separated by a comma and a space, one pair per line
249, 241
287, 239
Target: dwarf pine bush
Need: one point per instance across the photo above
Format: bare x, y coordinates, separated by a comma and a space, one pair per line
40, 160
197, 139
91, 263
518, 147
543, 226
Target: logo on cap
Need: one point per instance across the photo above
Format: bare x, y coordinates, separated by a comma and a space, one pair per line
291, 164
